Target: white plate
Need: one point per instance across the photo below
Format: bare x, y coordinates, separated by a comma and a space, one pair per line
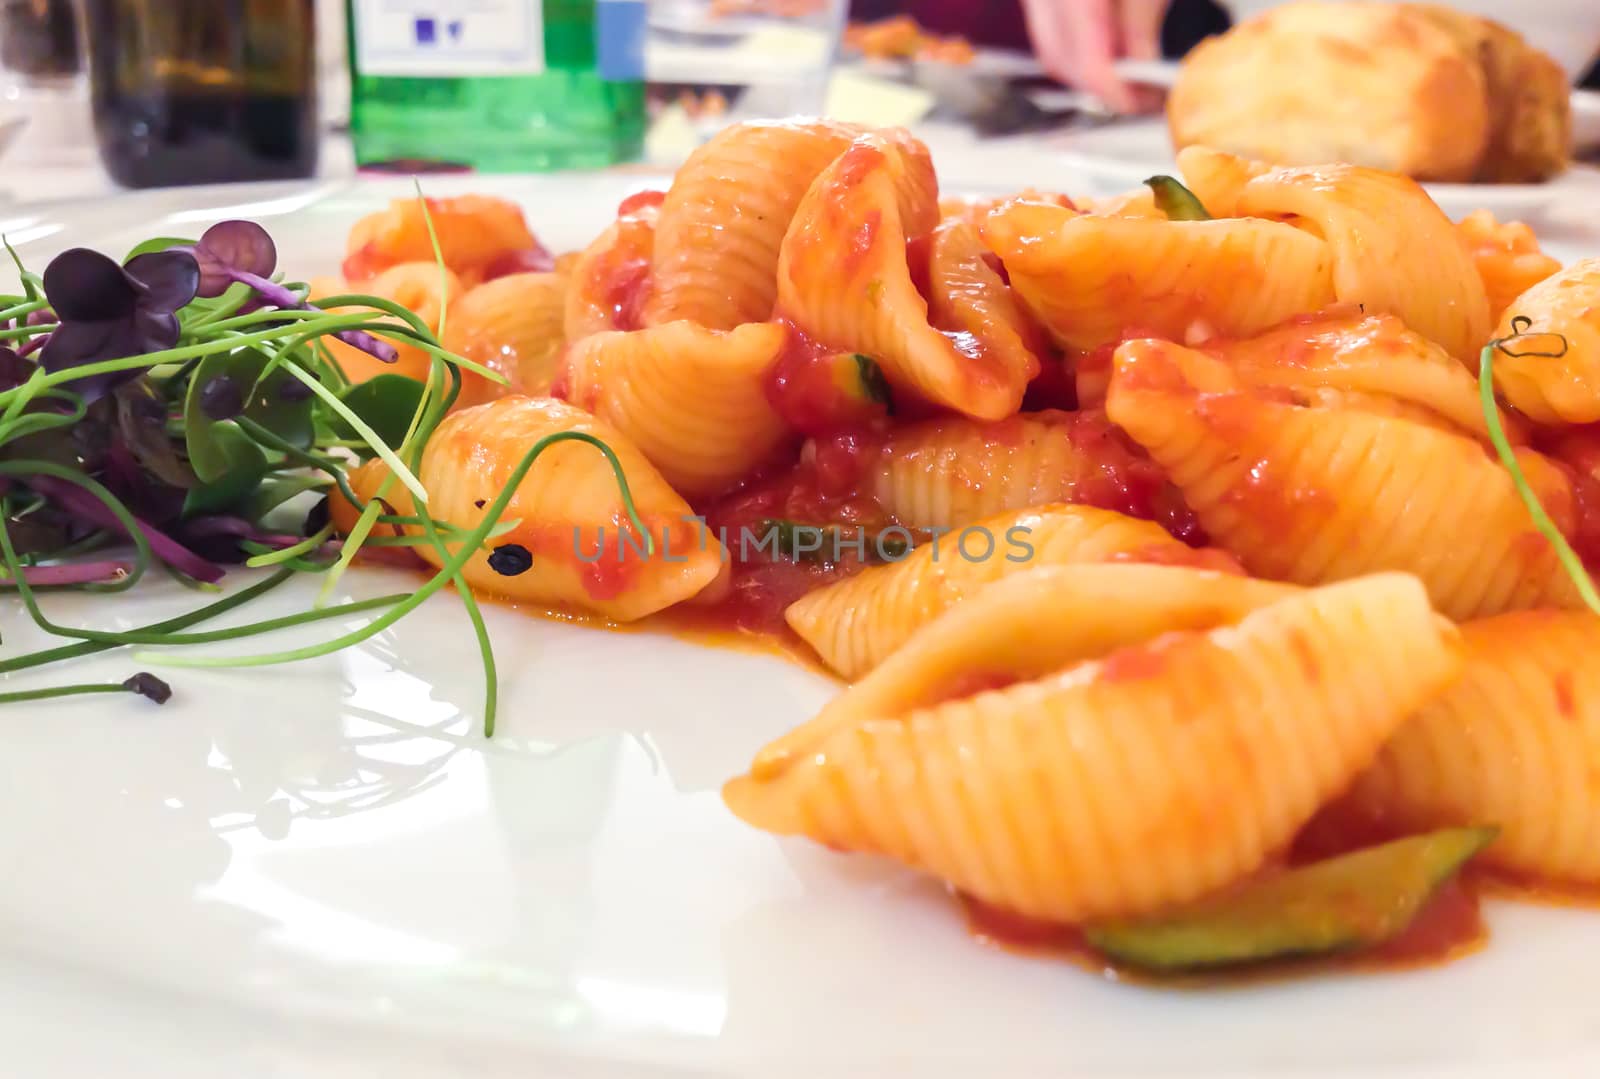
1125, 153
323, 872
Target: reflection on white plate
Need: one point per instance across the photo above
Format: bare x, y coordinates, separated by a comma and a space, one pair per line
324, 872
1126, 153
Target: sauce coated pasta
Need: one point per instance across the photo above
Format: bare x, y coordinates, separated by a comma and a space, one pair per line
1142, 540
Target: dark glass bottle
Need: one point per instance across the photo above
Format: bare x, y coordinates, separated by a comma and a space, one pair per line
203, 91
39, 38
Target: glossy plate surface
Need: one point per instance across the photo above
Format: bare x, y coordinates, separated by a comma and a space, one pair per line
323, 871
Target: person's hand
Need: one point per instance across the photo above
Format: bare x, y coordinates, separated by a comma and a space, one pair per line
1077, 41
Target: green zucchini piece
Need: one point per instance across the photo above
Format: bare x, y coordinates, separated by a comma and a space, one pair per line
1357, 900
1176, 201
863, 379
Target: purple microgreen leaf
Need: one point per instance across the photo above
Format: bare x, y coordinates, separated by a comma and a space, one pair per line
241, 246
73, 573
74, 344
86, 286
14, 370
169, 279
273, 293
81, 504
376, 347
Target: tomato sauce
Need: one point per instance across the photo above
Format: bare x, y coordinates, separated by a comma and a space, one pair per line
536, 259
811, 387
620, 276
819, 490
1124, 479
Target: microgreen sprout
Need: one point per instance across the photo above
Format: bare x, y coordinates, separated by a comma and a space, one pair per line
1520, 343
157, 412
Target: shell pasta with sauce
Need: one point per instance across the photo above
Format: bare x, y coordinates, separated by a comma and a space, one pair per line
1209, 581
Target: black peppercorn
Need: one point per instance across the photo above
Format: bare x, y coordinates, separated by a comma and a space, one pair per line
511, 559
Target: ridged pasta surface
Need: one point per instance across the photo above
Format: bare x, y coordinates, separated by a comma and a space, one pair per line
1217, 177
945, 473
857, 623
570, 512
1028, 625
1118, 787
1561, 310
1311, 495
844, 281
968, 297
1393, 250
1091, 279
1507, 256
716, 253
513, 326
692, 400
1515, 743
1372, 361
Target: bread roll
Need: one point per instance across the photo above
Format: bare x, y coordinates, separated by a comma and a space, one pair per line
1530, 112
1365, 83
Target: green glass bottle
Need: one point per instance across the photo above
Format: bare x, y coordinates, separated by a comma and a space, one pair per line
497, 85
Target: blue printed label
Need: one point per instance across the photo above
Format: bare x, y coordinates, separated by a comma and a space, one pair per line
448, 37
619, 30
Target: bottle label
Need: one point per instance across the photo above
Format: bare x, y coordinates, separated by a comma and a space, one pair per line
619, 39
448, 38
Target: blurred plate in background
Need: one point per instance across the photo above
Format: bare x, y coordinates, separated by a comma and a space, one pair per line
1127, 153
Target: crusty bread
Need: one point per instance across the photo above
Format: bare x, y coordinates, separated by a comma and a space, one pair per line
1530, 112
1409, 88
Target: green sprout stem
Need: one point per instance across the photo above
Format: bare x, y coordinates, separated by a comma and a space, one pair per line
396, 466
285, 554
1502, 446
51, 692
457, 562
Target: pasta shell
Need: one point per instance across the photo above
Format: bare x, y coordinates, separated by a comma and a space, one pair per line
1026, 626
1217, 177
1119, 787
1091, 278
716, 255
1371, 362
611, 279
1311, 495
1563, 311
1515, 742
425, 290
1393, 250
966, 296
513, 326
844, 281
473, 233
945, 473
693, 400
857, 623
1507, 256
570, 512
